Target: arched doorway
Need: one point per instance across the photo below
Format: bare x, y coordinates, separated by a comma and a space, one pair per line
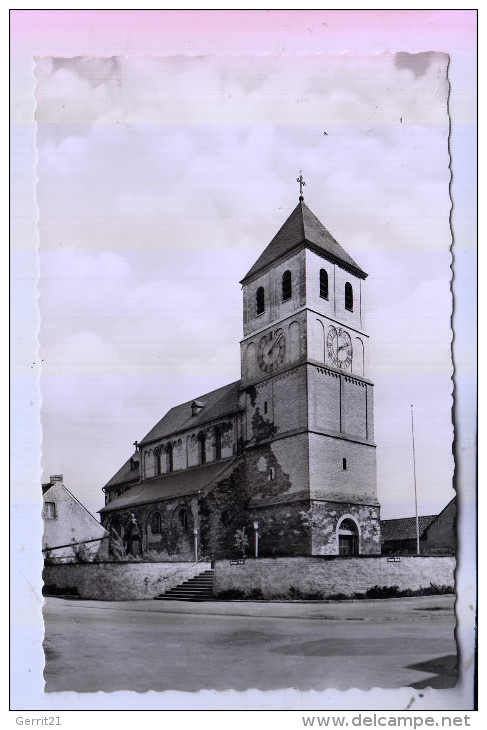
348, 537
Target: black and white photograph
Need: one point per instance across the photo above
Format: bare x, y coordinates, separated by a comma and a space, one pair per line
251, 293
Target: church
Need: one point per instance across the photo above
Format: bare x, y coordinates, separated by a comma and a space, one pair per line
287, 452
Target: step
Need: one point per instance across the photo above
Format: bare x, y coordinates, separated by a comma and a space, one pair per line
198, 588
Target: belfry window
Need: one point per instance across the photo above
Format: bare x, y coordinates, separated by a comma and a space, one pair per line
348, 296
287, 288
260, 300
201, 448
323, 284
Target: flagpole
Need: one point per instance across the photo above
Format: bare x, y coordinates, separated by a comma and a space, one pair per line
415, 489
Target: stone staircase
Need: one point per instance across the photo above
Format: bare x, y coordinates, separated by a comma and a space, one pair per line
199, 588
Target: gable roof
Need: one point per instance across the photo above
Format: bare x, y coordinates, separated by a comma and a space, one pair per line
218, 403
303, 228
175, 484
404, 528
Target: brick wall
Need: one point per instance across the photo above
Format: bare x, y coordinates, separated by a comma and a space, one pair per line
120, 581
328, 577
329, 480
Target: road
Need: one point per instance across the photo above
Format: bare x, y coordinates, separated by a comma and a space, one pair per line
95, 646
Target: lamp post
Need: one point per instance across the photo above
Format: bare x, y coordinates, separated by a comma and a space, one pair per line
195, 533
415, 489
256, 536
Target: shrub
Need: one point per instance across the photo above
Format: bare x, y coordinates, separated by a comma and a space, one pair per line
383, 592
53, 590
241, 540
231, 594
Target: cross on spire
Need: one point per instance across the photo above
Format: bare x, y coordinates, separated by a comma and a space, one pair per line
301, 184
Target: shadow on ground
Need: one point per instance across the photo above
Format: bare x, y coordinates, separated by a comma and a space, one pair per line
445, 668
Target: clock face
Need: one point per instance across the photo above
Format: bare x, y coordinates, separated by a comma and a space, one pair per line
339, 346
271, 351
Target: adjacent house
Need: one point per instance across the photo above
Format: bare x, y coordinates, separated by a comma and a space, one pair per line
71, 533
437, 534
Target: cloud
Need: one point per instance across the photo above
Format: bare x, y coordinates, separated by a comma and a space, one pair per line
162, 180
420, 63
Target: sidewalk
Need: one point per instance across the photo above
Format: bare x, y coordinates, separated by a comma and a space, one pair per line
389, 610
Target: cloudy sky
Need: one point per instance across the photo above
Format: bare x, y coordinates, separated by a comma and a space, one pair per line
160, 182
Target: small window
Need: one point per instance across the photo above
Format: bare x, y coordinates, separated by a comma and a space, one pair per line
201, 448
348, 296
183, 518
157, 462
50, 510
287, 289
344, 464
272, 474
260, 300
323, 284
156, 524
265, 406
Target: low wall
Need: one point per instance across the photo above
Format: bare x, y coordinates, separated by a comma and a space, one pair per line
323, 578
119, 581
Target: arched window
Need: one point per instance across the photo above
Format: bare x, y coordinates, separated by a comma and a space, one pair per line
157, 462
260, 300
323, 284
169, 458
183, 518
156, 524
348, 539
287, 288
225, 517
116, 527
218, 443
348, 296
202, 448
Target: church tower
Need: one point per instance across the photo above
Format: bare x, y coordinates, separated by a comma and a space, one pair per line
308, 427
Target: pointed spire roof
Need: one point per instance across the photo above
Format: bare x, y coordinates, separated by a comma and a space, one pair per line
301, 229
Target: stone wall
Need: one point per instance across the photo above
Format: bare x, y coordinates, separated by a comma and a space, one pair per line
325, 577
119, 581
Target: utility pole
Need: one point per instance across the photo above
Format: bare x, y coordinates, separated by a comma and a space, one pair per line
415, 489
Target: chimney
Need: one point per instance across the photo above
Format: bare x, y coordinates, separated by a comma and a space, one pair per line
56, 478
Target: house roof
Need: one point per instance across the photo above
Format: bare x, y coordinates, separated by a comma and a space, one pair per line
176, 484
218, 403
303, 228
404, 528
